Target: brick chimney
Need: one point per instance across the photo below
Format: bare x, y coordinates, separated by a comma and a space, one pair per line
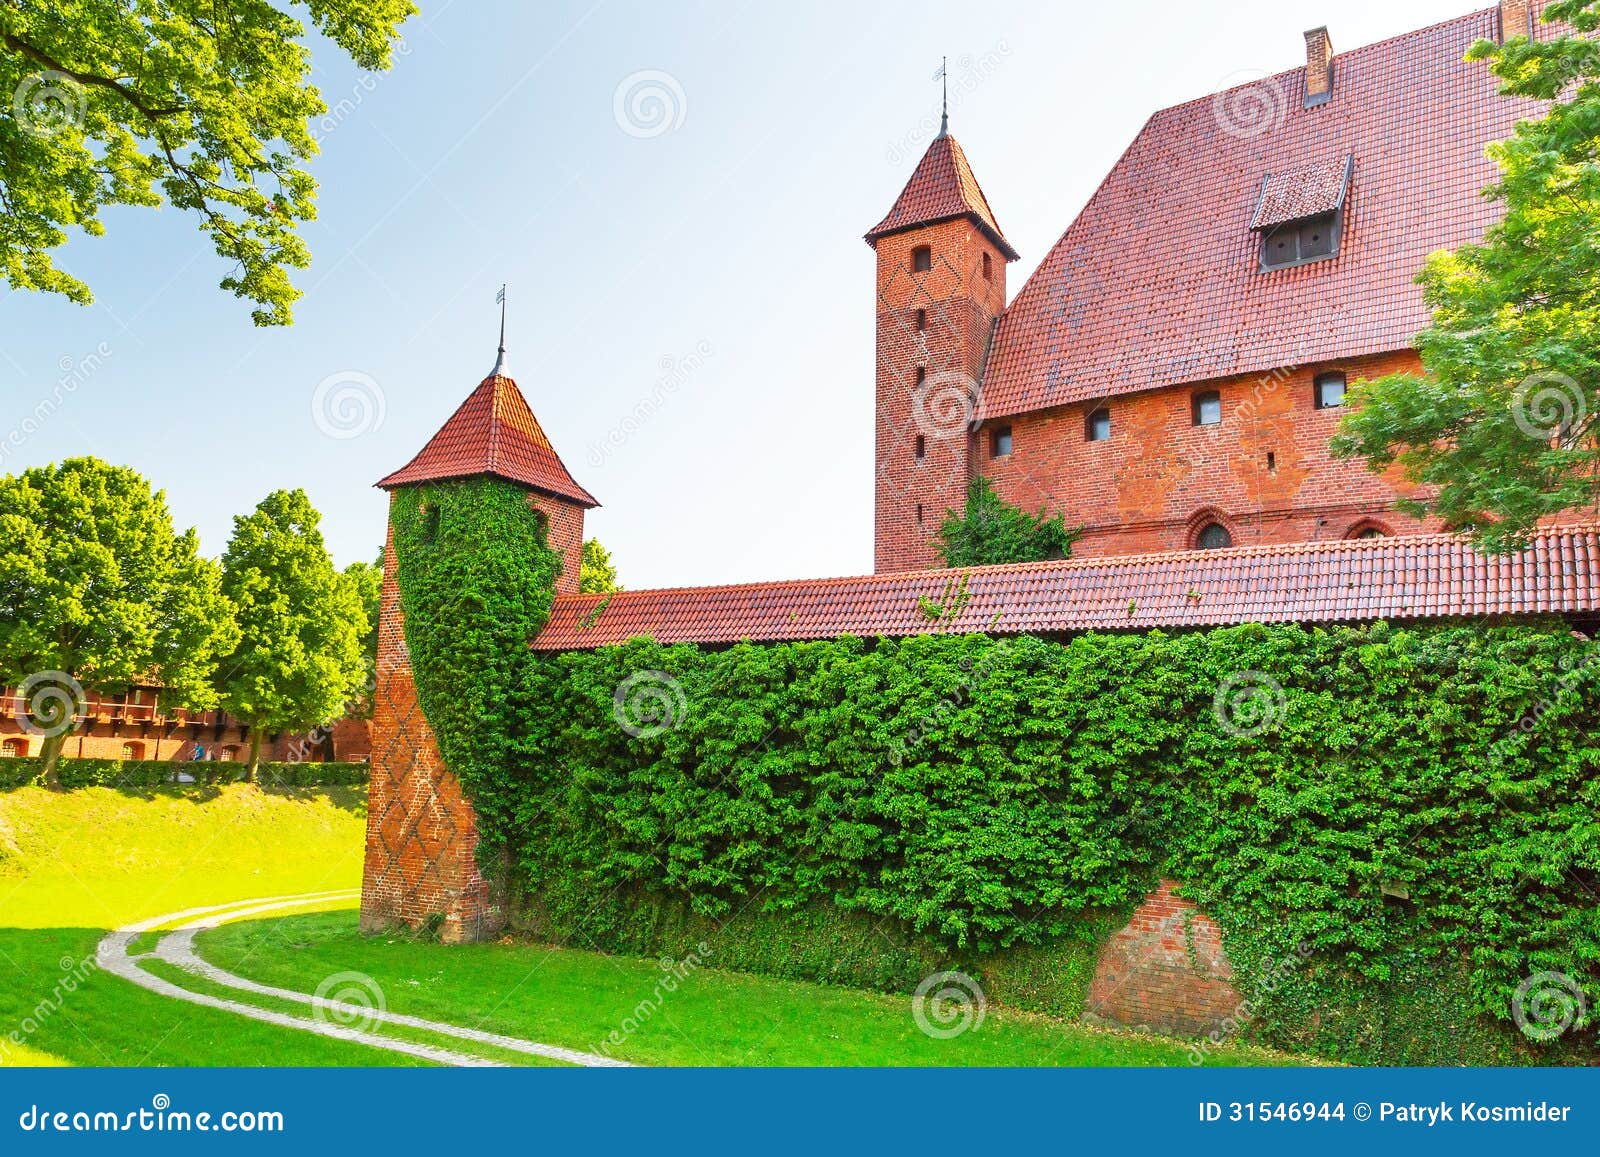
1319, 68
1516, 18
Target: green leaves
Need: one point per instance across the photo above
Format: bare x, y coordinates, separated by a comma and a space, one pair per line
203, 106
1500, 431
991, 531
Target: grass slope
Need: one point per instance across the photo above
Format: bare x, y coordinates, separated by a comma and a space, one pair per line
75, 864
710, 1017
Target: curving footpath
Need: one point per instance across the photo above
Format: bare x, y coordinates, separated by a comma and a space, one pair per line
176, 947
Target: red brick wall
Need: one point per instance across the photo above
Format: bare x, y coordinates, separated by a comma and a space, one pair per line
564, 521
1149, 486
1165, 971
960, 306
421, 832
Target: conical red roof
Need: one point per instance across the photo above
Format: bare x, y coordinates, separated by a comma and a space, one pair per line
493, 432
942, 187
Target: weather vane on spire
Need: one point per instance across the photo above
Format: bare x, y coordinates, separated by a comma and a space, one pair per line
944, 75
500, 359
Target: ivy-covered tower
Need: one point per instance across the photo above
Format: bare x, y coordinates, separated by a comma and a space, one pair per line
422, 833
941, 284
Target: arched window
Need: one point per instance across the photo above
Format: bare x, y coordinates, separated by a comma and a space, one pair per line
921, 259
1213, 536
1367, 528
14, 748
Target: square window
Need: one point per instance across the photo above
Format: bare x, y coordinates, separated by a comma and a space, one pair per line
1207, 408
1329, 391
1097, 427
921, 259
1000, 442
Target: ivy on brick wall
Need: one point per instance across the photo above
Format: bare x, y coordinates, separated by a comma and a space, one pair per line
476, 578
1374, 800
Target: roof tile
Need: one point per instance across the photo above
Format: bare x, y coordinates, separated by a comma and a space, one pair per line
942, 187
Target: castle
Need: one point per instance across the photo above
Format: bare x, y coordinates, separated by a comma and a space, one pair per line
1168, 378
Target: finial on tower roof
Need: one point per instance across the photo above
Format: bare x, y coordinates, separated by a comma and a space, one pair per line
500, 358
944, 115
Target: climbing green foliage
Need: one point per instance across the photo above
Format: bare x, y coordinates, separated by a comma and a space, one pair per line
598, 575
990, 530
476, 578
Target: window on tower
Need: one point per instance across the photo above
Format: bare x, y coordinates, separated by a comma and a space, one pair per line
987, 273
922, 259
1213, 536
1207, 408
1097, 426
922, 447
1000, 442
922, 320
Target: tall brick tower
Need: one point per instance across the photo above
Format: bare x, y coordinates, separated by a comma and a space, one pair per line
941, 285
421, 830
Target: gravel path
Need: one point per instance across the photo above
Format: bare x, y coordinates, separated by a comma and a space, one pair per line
338, 1019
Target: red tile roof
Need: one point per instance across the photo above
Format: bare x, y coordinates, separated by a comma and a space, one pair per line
1303, 191
1156, 282
1406, 577
493, 432
942, 187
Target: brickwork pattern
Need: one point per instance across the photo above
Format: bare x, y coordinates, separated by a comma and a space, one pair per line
421, 832
1165, 971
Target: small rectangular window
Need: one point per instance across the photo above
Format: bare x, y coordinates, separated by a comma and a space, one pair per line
922, 320
922, 374
1097, 427
1207, 408
1329, 391
922, 447
921, 259
1000, 442
987, 272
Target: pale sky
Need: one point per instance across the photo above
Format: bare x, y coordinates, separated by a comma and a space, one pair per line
708, 265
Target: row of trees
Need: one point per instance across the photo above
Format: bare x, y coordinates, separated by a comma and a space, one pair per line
99, 591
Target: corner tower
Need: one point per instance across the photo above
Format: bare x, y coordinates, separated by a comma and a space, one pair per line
941, 282
421, 863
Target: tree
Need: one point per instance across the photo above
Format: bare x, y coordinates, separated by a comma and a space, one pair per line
367, 578
97, 591
1500, 426
203, 105
597, 575
991, 530
298, 658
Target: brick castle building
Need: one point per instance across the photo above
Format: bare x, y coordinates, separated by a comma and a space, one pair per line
1168, 378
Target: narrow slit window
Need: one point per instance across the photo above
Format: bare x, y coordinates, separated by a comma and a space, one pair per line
922, 447
988, 272
922, 320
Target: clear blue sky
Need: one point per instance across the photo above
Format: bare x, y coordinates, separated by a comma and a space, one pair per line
727, 247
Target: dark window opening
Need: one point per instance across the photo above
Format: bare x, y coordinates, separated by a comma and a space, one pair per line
922, 374
919, 514
922, 447
1097, 426
1272, 460
1370, 532
1328, 391
987, 274
921, 259
1296, 242
1207, 408
13, 748
1000, 442
922, 320
1214, 536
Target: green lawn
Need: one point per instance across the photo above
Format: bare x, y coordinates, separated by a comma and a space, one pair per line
74, 865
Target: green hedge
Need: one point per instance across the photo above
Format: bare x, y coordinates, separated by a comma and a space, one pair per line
1389, 804
156, 772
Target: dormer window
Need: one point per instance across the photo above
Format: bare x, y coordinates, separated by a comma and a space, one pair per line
921, 259
1300, 213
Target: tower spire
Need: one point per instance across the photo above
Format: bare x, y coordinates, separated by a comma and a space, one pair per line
500, 358
944, 114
